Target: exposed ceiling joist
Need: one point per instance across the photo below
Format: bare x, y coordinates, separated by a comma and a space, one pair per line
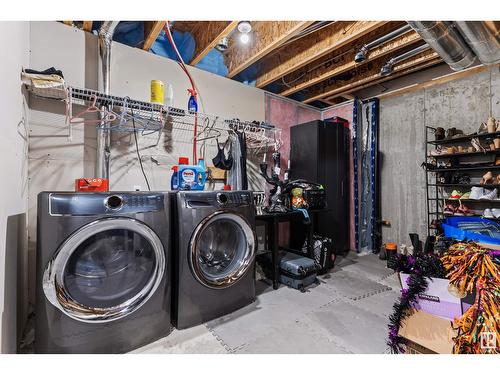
151, 31
267, 36
87, 26
339, 62
312, 47
369, 74
208, 36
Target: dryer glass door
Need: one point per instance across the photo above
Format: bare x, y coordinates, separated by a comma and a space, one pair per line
105, 270
222, 250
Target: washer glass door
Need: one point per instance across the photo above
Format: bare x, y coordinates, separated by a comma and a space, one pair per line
222, 249
105, 270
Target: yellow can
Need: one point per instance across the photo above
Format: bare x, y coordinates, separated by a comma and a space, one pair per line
157, 92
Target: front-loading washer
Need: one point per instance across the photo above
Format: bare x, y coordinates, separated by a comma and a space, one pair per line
103, 271
214, 255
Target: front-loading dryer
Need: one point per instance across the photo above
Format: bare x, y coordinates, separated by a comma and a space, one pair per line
214, 255
103, 271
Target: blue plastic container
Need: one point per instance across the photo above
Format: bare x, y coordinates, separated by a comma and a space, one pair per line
463, 228
192, 177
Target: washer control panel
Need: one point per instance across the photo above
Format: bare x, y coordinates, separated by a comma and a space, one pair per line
85, 204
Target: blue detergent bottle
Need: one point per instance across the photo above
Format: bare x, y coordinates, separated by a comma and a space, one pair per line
191, 177
174, 180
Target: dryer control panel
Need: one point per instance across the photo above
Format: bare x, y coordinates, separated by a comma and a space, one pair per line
218, 199
87, 204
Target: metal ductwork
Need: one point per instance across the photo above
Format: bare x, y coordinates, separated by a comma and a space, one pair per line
483, 38
389, 65
445, 39
362, 54
103, 137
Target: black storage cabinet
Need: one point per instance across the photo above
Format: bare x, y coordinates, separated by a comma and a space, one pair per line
319, 152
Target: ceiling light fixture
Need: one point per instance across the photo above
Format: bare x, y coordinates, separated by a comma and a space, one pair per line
244, 27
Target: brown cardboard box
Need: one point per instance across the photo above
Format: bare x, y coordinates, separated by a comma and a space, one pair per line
429, 331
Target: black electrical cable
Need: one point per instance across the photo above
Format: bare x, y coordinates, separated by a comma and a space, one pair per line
137, 149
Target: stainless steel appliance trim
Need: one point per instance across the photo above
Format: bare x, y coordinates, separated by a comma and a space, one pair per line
246, 262
53, 283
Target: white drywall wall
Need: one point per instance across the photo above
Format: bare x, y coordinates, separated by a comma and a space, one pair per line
13, 175
54, 162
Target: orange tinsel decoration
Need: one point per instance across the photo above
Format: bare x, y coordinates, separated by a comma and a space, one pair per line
470, 267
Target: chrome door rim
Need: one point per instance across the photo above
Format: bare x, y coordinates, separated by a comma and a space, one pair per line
226, 281
53, 284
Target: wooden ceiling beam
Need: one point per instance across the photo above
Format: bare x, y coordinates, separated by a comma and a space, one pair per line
87, 26
151, 31
314, 46
339, 62
369, 74
208, 36
266, 37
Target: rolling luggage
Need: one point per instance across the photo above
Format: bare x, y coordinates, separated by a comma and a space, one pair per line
297, 271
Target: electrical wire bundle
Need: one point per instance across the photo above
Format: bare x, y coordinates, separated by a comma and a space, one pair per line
471, 268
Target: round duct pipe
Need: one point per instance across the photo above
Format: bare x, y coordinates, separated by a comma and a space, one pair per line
483, 38
446, 41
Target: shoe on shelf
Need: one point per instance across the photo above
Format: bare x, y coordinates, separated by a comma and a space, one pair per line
438, 151
483, 128
497, 160
487, 178
476, 192
465, 195
490, 194
439, 134
449, 209
477, 145
488, 214
463, 210
455, 194
496, 212
491, 125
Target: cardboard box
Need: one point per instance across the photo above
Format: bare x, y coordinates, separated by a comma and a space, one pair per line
431, 332
437, 300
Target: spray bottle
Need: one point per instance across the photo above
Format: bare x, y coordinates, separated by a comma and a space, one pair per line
192, 104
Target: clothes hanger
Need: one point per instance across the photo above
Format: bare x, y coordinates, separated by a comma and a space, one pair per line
79, 118
208, 129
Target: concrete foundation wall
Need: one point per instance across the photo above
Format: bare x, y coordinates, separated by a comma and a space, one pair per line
464, 104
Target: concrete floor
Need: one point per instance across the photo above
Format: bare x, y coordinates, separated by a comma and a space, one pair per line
346, 313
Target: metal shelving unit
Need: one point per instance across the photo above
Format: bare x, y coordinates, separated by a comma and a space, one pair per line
149, 118
434, 189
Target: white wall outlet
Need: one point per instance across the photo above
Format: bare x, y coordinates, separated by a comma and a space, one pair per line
137, 188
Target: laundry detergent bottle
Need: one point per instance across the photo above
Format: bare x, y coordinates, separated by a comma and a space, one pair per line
191, 177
